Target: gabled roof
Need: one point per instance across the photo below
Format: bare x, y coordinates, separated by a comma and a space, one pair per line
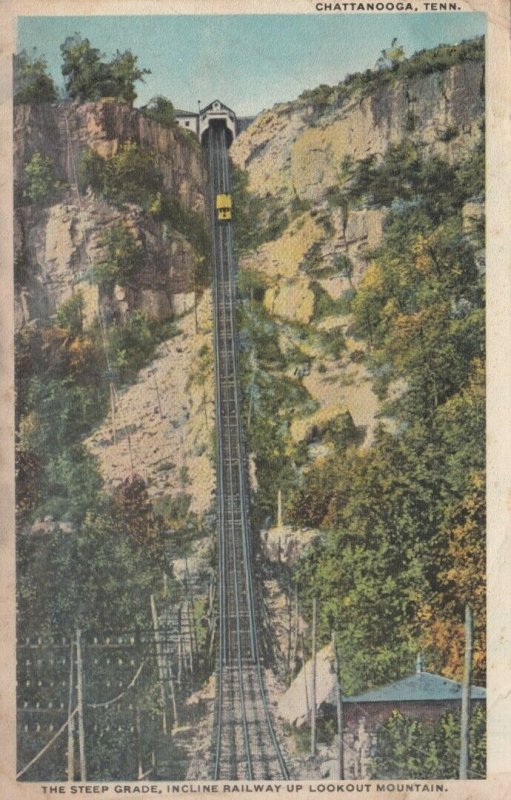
419, 687
180, 113
206, 108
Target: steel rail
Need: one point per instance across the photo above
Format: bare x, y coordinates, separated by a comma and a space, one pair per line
238, 648
220, 501
223, 334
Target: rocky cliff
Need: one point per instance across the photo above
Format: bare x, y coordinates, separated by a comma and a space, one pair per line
57, 245
59, 240
300, 158
292, 150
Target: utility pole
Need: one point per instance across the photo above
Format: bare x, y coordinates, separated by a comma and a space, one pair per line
112, 409
279, 508
313, 692
307, 706
465, 696
340, 725
79, 695
294, 652
71, 723
159, 659
158, 394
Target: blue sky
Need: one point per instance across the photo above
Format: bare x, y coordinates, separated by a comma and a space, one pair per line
248, 61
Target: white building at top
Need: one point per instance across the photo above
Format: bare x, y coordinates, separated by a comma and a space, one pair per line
215, 113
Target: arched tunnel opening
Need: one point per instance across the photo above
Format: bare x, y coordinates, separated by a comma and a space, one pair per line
216, 123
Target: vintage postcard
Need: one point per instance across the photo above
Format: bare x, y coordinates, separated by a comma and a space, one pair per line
255, 317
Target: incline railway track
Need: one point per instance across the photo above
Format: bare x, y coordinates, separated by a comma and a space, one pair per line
244, 743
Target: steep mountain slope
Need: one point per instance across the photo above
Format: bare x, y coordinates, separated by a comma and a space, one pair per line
305, 163
360, 224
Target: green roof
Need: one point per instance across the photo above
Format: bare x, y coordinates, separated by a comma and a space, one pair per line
419, 687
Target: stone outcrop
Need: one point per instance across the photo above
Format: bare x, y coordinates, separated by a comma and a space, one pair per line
57, 246
287, 156
299, 159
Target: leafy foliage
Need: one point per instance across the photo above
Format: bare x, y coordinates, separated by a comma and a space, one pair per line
403, 521
161, 110
270, 402
69, 315
391, 67
132, 177
410, 749
32, 84
134, 343
258, 220
40, 179
122, 259
405, 175
87, 77
391, 56
101, 577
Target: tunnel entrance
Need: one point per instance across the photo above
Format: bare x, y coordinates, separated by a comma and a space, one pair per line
216, 124
217, 114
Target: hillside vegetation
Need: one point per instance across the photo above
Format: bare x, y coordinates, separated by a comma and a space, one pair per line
386, 287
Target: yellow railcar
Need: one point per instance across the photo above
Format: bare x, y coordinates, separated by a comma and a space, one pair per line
223, 207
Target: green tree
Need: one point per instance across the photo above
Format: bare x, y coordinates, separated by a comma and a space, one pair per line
88, 77
125, 74
83, 71
32, 83
161, 110
344, 266
70, 314
92, 171
391, 56
131, 176
40, 179
411, 749
122, 257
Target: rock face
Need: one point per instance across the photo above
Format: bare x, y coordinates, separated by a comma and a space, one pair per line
292, 155
61, 131
298, 160
165, 421
56, 246
287, 156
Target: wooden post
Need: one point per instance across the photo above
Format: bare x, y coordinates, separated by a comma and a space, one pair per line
138, 736
179, 659
79, 695
307, 705
190, 609
112, 408
158, 395
465, 697
159, 660
340, 725
289, 626
313, 692
294, 653
71, 724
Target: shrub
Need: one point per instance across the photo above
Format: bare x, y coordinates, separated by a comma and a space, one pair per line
324, 305
408, 748
32, 84
123, 258
87, 77
190, 223
132, 345
70, 314
41, 179
161, 110
131, 176
91, 171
